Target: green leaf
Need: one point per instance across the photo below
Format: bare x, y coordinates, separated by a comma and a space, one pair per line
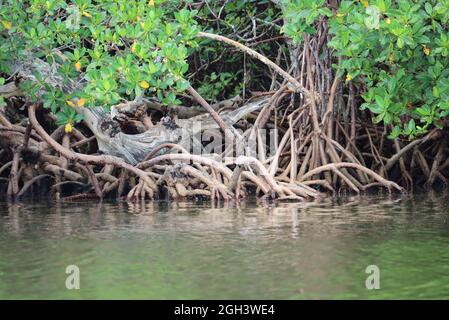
424, 111
395, 132
372, 21
428, 8
381, 102
411, 126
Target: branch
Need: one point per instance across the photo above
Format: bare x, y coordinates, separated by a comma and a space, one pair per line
223, 126
411, 145
71, 155
261, 58
336, 166
9, 90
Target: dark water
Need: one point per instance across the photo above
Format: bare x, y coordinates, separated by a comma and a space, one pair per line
193, 251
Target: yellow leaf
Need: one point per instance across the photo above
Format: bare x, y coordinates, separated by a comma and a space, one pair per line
78, 66
87, 14
144, 84
7, 24
142, 24
348, 77
426, 50
365, 3
81, 102
68, 128
138, 18
388, 21
70, 103
151, 3
133, 47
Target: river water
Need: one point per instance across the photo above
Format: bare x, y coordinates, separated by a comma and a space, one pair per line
191, 250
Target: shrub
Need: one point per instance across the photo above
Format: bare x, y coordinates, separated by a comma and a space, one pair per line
397, 50
118, 49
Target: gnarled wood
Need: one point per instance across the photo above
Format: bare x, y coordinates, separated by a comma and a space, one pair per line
132, 148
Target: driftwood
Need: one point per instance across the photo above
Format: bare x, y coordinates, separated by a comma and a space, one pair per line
106, 127
133, 148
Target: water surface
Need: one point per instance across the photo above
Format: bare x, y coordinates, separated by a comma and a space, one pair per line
248, 251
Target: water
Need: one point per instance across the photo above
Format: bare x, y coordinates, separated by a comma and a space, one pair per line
193, 251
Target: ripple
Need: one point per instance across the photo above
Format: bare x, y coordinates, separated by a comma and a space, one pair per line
192, 250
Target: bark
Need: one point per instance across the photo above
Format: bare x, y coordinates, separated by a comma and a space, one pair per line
106, 128
134, 148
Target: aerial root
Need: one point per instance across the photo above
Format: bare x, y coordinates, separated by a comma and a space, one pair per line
337, 166
143, 190
305, 164
145, 187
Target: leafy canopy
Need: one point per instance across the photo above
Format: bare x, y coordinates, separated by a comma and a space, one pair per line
118, 49
394, 52
397, 50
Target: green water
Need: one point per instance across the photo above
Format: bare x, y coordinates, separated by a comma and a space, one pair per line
247, 251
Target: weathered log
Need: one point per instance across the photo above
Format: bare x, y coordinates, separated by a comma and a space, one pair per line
111, 140
133, 147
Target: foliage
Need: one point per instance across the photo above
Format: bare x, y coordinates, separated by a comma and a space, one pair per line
219, 72
215, 85
121, 49
397, 50
394, 52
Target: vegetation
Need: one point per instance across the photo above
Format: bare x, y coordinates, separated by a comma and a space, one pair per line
121, 49
357, 92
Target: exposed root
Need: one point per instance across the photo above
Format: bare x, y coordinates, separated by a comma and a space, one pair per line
146, 182
30, 183
322, 142
336, 166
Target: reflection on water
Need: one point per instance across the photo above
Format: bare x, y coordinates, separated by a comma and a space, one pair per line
163, 250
